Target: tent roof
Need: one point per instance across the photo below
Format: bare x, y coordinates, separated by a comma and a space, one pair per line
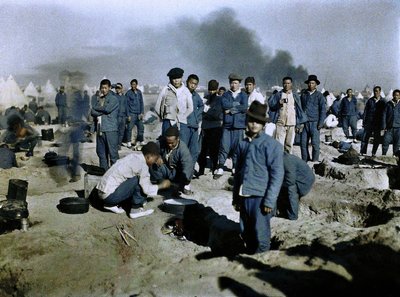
30, 90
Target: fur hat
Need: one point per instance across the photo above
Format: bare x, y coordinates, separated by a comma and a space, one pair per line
312, 77
258, 111
234, 76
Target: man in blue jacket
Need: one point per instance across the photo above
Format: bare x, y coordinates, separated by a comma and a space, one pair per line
258, 179
61, 103
286, 112
135, 113
372, 120
106, 113
189, 133
313, 103
122, 112
234, 107
297, 182
348, 113
391, 124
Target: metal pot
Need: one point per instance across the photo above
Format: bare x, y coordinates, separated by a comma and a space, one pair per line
73, 205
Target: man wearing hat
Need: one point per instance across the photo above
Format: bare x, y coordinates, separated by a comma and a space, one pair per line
234, 107
257, 181
286, 112
313, 103
210, 128
128, 178
174, 103
176, 163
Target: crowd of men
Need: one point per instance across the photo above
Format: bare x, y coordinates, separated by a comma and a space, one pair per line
235, 123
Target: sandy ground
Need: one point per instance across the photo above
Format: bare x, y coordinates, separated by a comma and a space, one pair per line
345, 243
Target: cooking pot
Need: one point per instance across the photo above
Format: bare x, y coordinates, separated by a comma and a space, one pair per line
73, 205
177, 205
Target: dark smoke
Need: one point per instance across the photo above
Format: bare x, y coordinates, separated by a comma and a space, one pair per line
212, 48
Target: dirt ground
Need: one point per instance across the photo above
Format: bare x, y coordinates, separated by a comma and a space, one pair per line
345, 243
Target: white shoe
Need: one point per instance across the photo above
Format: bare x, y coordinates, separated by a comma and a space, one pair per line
124, 144
218, 173
129, 145
140, 212
114, 209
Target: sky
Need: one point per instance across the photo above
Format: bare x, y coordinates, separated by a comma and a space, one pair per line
348, 44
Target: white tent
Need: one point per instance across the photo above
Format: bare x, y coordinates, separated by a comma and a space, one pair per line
48, 93
91, 90
30, 90
389, 95
11, 94
329, 99
359, 96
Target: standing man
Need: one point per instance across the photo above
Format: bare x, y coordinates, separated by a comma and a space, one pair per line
106, 112
134, 98
61, 103
33, 105
391, 124
211, 128
258, 179
234, 107
372, 121
287, 114
190, 133
250, 86
174, 103
348, 113
122, 113
313, 103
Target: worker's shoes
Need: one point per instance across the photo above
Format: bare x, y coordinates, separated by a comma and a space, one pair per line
218, 173
140, 212
114, 209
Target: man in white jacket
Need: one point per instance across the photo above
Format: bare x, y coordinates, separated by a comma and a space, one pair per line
174, 103
128, 178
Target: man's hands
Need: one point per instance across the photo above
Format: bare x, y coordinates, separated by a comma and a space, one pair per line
266, 209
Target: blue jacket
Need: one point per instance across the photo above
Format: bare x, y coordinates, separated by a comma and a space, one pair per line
194, 119
348, 108
108, 113
275, 107
299, 177
314, 106
335, 108
180, 160
391, 115
259, 169
61, 100
236, 118
373, 113
135, 102
212, 118
123, 105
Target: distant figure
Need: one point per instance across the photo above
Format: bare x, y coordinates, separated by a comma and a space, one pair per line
33, 105
372, 121
211, 128
313, 103
189, 133
28, 115
7, 157
234, 107
42, 117
257, 181
135, 103
174, 103
122, 113
391, 124
85, 105
62, 106
106, 113
221, 91
286, 112
252, 93
20, 136
94, 98
348, 113
297, 182
128, 178
176, 163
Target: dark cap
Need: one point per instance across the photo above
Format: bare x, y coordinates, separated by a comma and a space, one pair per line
172, 131
312, 77
213, 85
258, 111
234, 76
326, 93
151, 148
175, 73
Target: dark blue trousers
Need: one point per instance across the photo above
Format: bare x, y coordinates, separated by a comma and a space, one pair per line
129, 189
190, 136
365, 140
391, 135
254, 225
107, 148
229, 141
140, 127
121, 129
350, 121
310, 131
